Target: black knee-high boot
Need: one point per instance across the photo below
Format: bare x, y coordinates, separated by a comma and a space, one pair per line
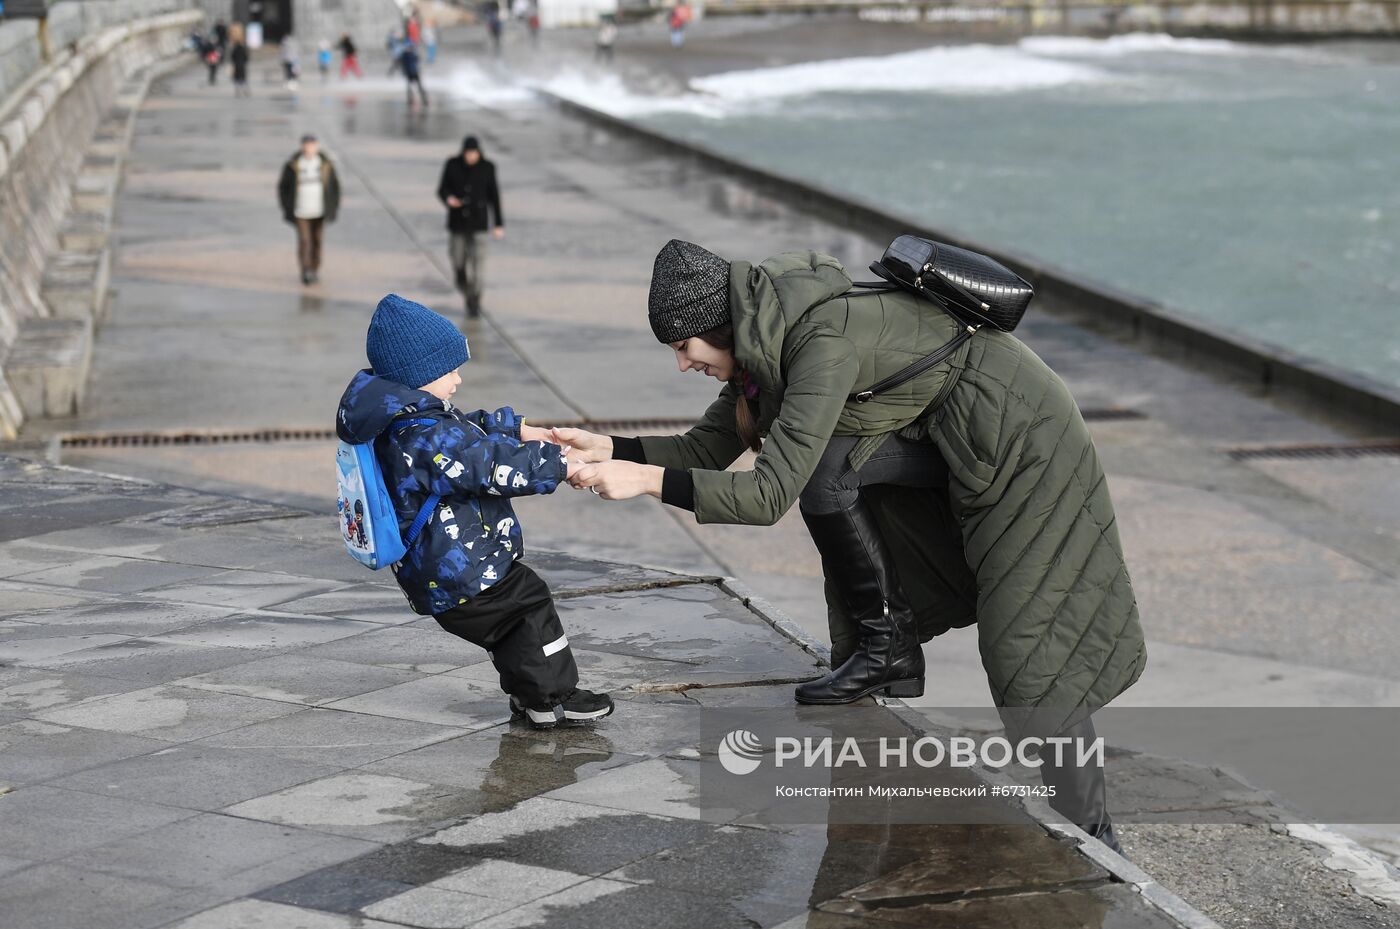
1081, 794
859, 566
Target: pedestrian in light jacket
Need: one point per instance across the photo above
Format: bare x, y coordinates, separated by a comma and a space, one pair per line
309, 194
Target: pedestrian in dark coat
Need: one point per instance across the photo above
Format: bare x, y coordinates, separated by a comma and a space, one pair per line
408, 61
468, 190
238, 57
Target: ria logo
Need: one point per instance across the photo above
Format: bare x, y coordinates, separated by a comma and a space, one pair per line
740, 752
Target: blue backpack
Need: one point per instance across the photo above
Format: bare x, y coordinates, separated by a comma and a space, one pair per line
368, 524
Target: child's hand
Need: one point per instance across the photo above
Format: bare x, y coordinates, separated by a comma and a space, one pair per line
587, 446
530, 433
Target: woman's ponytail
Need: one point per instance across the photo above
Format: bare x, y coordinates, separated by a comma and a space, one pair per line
722, 337
744, 422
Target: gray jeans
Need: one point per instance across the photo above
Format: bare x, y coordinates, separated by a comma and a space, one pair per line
468, 253
835, 485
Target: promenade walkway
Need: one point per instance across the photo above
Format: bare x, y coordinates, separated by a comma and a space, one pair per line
1238, 560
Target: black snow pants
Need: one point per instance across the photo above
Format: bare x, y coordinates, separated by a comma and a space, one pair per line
516, 622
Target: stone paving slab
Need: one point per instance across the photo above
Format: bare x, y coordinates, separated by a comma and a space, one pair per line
260, 914
219, 853
32, 751
299, 678
25, 691
238, 752
142, 661
349, 740
1094, 906
427, 651
58, 896
722, 641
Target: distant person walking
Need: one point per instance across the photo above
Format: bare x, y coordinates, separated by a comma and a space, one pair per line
291, 61
221, 36
408, 61
323, 59
494, 25
607, 37
468, 190
309, 194
430, 40
349, 61
238, 57
680, 18
211, 55
393, 44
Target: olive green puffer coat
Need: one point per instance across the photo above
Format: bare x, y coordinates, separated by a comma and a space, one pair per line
1023, 541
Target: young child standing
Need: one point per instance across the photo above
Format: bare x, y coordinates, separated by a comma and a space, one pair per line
464, 568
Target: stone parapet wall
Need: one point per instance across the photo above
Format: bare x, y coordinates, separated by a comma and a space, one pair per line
47, 125
77, 19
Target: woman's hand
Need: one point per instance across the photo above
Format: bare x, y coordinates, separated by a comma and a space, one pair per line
619, 480
587, 446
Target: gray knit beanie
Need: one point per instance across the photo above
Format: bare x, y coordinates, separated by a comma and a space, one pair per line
689, 292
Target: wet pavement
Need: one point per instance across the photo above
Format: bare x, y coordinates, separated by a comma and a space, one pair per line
210, 717
1237, 562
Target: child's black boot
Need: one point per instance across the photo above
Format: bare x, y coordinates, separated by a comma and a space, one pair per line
578, 708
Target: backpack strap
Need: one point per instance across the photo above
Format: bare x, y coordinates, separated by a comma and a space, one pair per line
421, 520
861, 288
430, 505
399, 425
915, 369
889, 283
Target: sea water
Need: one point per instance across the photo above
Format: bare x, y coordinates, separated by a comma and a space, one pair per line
1255, 187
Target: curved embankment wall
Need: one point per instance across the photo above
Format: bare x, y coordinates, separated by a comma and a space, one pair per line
69, 90
1345, 393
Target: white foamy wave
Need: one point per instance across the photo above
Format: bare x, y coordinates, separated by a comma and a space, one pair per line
1131, 43
483, 87
607, 92
967, 69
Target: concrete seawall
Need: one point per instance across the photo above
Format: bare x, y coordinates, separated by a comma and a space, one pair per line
1264, 19
1372, 405
64, 128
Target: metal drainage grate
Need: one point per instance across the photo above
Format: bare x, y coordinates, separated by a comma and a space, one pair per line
1315, 451
272, 436
1110, 413
136, 439
269, 436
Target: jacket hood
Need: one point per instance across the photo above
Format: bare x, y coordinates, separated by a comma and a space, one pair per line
768, 299
370, 403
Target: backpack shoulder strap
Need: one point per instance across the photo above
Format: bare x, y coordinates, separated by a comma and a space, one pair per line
861, 288
399, 425
421, 520
425, 513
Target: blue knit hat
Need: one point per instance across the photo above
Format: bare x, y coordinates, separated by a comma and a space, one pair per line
410, 344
